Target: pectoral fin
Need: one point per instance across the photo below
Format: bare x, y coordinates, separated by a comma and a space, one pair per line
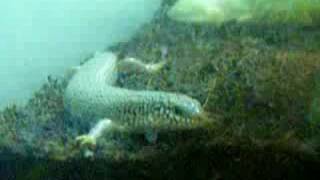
87, 142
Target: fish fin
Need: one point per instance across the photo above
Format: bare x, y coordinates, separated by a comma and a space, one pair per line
88, 141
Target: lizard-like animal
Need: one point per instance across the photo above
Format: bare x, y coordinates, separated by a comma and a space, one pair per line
91, 93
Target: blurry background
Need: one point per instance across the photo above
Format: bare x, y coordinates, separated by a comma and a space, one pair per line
43, 37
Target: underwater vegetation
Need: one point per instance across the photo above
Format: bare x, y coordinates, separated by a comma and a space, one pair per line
286, 11
258, 11
208, 11
258, 84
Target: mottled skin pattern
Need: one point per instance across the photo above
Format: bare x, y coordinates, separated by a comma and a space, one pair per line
91, 94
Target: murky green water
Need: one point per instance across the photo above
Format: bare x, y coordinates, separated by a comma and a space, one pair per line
207, 89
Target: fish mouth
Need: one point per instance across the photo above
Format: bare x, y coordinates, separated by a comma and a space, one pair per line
168, 117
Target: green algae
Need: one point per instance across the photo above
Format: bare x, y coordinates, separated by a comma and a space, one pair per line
303, 13
286, 11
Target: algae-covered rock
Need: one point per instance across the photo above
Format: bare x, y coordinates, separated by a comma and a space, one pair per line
208, 11
314, 115
260, 11
305, 12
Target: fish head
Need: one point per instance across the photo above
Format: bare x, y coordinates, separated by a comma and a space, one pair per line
187, 107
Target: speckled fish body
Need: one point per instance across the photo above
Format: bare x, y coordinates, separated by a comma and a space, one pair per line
91, 94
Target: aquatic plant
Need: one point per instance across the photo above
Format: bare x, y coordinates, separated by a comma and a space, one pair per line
286, 11
8, 118
47, 103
